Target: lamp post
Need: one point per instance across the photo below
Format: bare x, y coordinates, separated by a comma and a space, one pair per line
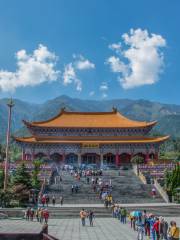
10, 105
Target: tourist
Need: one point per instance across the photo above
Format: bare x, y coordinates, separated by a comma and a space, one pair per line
91, 217
37, 214
47, 200
164, 229
117, 213
87, 179
96, 181
41, 217
131, 220
106, 202
123, 215
76, 188
72, 189
92, 181
53, 200
161, 226
153, 192
110, 199
46, 215
83, 215
113, 207
173, 231
32, 214
43, 200
134, 223
156, 228
147, 226
27, 213
140, 230
152, 230
61, 200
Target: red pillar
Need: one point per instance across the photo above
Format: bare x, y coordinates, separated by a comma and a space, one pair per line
23, 155
117, 159
147, 158
156, 156
63, 158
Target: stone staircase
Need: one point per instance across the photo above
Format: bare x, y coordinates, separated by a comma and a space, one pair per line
85, 193
127, 188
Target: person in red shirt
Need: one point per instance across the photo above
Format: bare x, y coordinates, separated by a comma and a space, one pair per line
43, 200
156, 228
46, 215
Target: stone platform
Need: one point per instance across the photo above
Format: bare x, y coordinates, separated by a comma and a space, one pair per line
71, 229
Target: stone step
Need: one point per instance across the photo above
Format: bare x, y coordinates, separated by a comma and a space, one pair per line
126, 188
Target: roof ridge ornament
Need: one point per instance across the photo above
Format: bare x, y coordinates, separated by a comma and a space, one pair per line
63, 109
114, 109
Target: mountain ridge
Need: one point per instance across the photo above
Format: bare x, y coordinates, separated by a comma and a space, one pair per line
167, 115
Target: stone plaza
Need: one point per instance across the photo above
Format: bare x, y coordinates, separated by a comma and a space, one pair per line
71, 229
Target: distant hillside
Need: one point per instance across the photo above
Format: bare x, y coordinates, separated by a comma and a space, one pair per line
168, 115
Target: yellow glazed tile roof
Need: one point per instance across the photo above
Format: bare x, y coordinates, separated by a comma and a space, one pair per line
97, 140
91, 120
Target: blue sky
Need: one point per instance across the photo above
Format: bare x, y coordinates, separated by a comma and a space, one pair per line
79, 38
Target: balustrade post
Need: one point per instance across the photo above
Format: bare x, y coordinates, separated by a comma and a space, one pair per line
147, 158
79, 159
117, 159
101, 160
156, 156
23, 155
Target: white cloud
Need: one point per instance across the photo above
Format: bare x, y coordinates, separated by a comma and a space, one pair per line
116, 47
103, 86
117, 65
104, 95
141, 61
72, 69
32, 69
69, 76
83, 64
91, 93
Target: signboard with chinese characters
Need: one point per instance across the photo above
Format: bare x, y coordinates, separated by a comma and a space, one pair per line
90, 145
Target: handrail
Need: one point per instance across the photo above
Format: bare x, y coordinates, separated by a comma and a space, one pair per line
48, 237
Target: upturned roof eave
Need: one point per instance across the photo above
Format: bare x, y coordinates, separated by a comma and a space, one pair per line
122, 141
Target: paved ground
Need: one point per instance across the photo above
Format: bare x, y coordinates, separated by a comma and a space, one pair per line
71, 229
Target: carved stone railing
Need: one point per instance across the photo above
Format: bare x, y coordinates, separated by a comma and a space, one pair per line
161, 191
48, 237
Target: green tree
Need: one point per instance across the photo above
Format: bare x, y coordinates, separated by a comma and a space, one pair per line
172, 180
1, 178
21, 184
35, 178
21, 176
2, 152
5, 198
137, 159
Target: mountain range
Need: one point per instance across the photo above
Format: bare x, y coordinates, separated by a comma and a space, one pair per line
167, 115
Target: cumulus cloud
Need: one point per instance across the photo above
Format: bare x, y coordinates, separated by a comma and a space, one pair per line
83, 64
140, 60
91, 93
32, 69
104, 88
69, 76
104, 95
72, 69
